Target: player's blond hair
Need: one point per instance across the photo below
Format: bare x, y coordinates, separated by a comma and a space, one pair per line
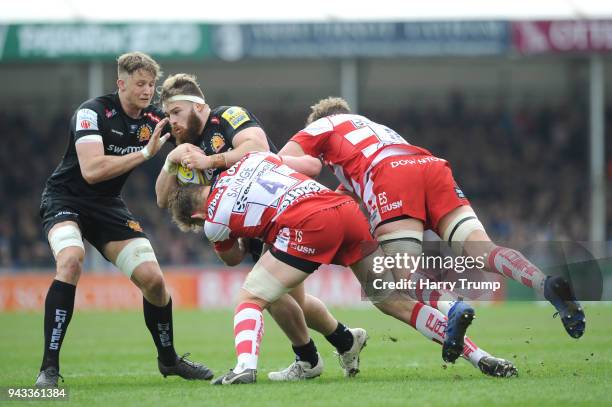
327, 107
133, 61
180, 84
182, 203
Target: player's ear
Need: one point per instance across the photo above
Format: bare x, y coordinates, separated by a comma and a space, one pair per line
121, 84
198, 215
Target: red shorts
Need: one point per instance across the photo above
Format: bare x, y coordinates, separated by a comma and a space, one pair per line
335, 235
418, 186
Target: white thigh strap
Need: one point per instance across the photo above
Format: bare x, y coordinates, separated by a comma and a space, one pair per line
262, 284
65, 236
459, 229
402, 234
135, 253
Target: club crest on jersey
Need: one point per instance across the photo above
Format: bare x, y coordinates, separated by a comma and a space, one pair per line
235, 116
144, 132
109, 113
135, 226
282, 239
217, 142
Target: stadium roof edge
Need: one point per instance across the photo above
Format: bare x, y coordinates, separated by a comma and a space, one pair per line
271, 11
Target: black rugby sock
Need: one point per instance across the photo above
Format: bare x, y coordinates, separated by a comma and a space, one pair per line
59, 305
159, 322
341, 338
307, 353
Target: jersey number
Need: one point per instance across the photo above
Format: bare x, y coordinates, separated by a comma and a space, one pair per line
270, 186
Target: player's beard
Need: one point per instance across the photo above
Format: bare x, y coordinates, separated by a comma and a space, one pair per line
191, 133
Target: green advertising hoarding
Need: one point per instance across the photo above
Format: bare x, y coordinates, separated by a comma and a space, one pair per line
103, 41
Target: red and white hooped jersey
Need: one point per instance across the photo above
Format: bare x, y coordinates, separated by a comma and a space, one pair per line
249, 197
351, 145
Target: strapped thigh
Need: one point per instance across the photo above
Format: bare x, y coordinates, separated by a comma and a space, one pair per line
460, 228
65, 236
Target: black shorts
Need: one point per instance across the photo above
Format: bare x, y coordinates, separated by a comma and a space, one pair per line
304, 265
101, 220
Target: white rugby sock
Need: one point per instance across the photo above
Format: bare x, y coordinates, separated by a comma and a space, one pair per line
431, 323
443, 300
248, 331
511, 263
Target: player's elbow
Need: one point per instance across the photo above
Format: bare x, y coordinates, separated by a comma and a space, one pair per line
313, 169
231, 257
230, 262
90, 176
162, 203
161, 199
258, 142
261, 146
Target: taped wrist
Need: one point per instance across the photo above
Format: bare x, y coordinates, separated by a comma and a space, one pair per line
170, 167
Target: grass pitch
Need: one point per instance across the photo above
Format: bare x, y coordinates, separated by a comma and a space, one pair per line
108, 358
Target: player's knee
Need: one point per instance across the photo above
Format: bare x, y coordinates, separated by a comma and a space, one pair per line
137, 253
155, 284
464, 225
152, 284
69, 266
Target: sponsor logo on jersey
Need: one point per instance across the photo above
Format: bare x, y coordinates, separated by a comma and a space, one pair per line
302, 190
242, 200
302, 249
459, 192
144, 132
153, 117
236, 116
109, 113
391, 206
359, 122
135, 226
239, 181
413, 161
118, 150
117, 132
65, 213
217, 142
214, 120
212, 206
86, 119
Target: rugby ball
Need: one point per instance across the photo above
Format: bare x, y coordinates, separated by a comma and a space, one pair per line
186, 176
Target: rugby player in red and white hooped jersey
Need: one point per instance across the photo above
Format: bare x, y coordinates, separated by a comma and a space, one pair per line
307, 225
407, 190
223, 135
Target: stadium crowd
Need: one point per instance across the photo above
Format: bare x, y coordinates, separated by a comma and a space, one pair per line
525, 172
